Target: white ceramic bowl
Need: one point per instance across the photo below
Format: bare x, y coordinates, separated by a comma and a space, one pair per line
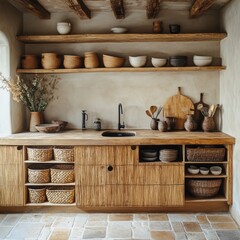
201, 61
119, 30
138, 61
202, 57
193, 169
215, 170
63, 27
158, 62
204, 170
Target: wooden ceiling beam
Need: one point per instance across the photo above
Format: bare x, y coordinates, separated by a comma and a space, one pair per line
35, 8
199, 7
152, 8
118, 8
79, 7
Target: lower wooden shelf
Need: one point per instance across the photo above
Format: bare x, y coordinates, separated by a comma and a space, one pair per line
49, 184
52, 161
218, 198
50, 204
188, 175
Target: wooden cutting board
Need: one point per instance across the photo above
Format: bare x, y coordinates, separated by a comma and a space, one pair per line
198, 117
178, 106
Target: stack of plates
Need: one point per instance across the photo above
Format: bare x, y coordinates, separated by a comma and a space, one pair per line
149, 155
168, 155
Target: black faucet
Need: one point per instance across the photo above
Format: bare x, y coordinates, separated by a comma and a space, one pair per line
120, 111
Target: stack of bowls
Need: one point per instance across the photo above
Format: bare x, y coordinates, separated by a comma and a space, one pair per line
138, 61
178, 61
201, 61
113, 62
168, 155
91, 60
149, 155
159, 62
51, 60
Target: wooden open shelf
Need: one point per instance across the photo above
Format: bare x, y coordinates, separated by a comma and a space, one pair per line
224, 162
52, 162
130, 37
122, 69
188, 175
49, 184
50, 204
218, 198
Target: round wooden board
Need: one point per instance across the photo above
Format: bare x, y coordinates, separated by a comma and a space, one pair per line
178, 106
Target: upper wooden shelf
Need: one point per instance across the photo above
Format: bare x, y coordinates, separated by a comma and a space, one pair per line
131, 37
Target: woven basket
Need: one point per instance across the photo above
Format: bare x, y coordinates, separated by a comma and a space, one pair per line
65, 154
37, 195
40, 154
61, 195
38, 174
206, 154
62, 174
204, 188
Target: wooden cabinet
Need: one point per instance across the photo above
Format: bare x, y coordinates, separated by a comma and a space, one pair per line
11, 176
113, 176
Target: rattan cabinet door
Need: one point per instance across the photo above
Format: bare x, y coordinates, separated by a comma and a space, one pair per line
11, 176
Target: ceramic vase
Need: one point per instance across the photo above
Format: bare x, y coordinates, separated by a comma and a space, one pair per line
35, 119
162, 126
208, 124
154, 124
190, 124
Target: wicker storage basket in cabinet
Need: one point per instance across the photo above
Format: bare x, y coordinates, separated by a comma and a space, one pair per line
40, 154
62, 174
38, 174
204, 188
61, 195
64, 153
206, 154
37, 195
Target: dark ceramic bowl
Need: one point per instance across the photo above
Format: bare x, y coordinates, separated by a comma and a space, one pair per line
174, 28
178, 61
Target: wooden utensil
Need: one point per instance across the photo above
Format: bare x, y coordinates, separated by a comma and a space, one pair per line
178, 106
198, 117
153, 109
210, 110
148, 113
158, 111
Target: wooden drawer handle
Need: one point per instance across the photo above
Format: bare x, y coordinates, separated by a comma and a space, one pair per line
19, 148
110, 168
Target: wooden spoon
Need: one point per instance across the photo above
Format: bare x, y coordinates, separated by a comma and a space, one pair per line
149, 113
153, 109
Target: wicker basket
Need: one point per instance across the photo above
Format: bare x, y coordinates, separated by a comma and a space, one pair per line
61, 195
204, 188
38, 174
40, 154
206, 154
62, 174
37, 195
65, 154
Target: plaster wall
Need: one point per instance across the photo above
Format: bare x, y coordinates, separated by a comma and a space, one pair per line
230, 91
100, 93
11, 24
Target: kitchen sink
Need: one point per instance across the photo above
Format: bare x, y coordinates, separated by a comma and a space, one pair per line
118, 134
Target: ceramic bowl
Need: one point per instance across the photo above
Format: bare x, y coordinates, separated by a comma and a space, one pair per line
48, 128
193, 169
138, 61
215, 170
178, 61
159, 62
148, 153
62, 124
201, 61
174, 28
119, 30
112, 61
63, 27
204, 170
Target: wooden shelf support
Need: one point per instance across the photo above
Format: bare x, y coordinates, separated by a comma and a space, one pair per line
80, 8
118, 8
199, 7
152, 8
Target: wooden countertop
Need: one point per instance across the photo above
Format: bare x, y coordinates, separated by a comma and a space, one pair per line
91, 137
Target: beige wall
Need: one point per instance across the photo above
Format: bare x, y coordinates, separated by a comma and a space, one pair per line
230, 91
100, 93
11, 25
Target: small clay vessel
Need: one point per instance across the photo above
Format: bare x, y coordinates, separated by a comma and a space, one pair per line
162, 126
190, 124
208, 124
157, 27
154, 124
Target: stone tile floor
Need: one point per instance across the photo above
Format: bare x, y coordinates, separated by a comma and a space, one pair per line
71, 226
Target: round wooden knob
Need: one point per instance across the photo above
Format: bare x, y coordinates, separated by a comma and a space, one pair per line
110, 168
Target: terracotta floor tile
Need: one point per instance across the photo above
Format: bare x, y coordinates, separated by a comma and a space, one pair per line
160, 226
206, 226
141, 232
192, 227
219, 218
120, 217
120, 224
202, 219
225, 226
94, 233
140, 217
162, 235
60, 234
177, 227
195, 236
158, 217
229, 235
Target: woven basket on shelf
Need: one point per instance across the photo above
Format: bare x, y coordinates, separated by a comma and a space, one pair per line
39, 153
38, 174
61, 195
206, 154
62, 174
37, 195
204, 188
64, 153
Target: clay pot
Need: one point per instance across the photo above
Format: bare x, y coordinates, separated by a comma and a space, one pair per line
30, 61
91, 60
71, 61
162, 126
171, 123
51, 61
36, 118
154, 124
208, 124
157, 27
190, 124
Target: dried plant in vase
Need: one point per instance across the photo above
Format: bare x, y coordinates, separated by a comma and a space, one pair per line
35, 92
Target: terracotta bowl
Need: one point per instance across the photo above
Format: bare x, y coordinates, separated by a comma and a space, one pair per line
48, 128
112, 61
62, 124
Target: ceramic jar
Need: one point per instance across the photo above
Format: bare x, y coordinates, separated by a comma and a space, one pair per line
162, 126
36, 118
208, 124
30, 61
91, 60
157, 27
190, 124
154, 124
171, 122
51, 60
63, 27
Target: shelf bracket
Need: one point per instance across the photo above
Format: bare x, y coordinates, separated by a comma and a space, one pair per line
199, 7
79, 7
153, 8
118, 8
